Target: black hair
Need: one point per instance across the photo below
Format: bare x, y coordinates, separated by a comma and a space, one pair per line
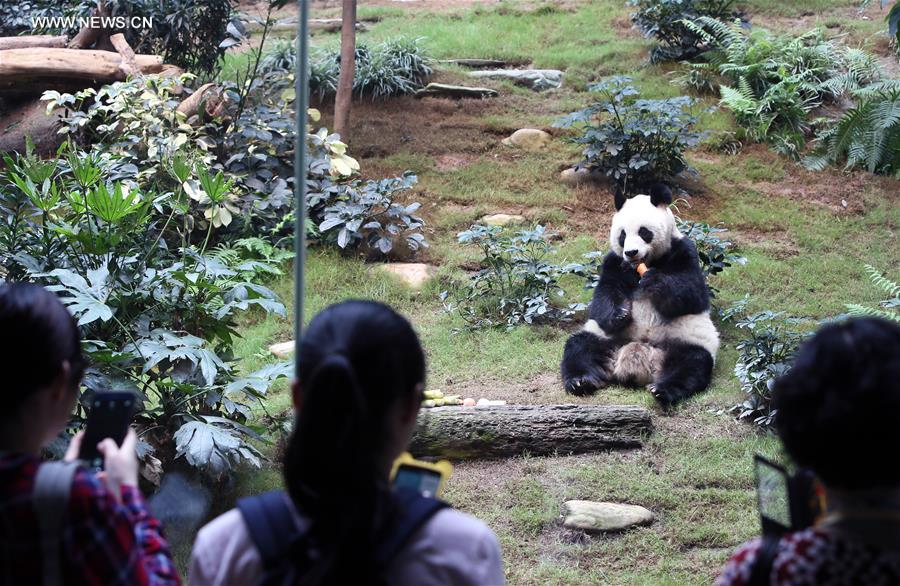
838, 408
357, 360
37, 334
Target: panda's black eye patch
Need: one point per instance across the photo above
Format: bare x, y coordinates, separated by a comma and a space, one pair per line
646, 234
622, 238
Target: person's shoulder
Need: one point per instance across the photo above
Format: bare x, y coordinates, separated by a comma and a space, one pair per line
227, 527
449, 526
452, 548
224, 553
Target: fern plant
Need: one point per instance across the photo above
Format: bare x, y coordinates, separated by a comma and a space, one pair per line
867, 135
770, 82
888, 309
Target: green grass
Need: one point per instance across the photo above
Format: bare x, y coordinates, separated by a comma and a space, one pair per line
583, 40
804, 256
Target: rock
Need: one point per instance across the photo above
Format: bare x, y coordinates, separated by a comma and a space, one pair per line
573, 176
536, 79
282, 349
593, 517
412, 274
530, 139
443, 90
502, 220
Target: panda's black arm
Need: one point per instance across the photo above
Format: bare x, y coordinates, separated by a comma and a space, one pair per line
611, 304
675, 283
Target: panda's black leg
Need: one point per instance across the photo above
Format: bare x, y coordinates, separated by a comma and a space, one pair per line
587, 363
686, 370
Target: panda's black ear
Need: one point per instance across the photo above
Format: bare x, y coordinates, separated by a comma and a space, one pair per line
620, 198
660, 194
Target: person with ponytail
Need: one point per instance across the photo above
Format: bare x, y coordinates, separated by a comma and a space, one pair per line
361, 382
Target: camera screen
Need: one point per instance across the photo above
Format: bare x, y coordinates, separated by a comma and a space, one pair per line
426, 482
773, 493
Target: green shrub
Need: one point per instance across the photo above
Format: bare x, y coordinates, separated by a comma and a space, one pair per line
770, 82
394, 67
716, 254
633, 141
766, 354
888, 309
136, 126
156, 309
664, 21
517, 283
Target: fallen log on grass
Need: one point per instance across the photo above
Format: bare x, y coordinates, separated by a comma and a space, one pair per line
476, 63
31, 71
500, 432
442, 90
31, 41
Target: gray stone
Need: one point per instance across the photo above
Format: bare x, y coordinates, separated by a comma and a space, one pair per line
412, 274
593, 517
443, 90
536, 79
282, 349
503, 220
530, 139
573, 176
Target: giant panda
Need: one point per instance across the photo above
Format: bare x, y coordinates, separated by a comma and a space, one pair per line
652, 330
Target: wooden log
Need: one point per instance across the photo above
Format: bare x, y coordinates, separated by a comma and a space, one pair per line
499, 432
30, 41
31, 71
209, 95
29, 119
442, 90
476, 63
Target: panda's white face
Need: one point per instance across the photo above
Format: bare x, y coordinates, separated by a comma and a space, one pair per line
641, 231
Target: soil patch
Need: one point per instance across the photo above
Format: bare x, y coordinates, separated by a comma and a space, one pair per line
776, 244
452, 161
839, 191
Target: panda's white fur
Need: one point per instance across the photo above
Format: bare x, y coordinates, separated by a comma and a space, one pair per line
640, 360
638, 212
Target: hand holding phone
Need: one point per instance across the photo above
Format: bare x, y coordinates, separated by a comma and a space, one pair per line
109, 416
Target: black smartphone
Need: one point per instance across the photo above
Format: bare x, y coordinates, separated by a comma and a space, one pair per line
773, 493
426, 482
109, 416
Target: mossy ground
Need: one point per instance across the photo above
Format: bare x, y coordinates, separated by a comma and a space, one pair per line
805, 235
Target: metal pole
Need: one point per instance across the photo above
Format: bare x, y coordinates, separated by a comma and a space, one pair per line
302, 105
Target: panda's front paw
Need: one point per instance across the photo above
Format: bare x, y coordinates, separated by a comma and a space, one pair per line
584, 385
665, 395
651, 279
618, 317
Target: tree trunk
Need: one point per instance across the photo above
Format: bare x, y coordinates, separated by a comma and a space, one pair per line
499, 432
31, 71
87, 36
348, 71
128, 65
27, 42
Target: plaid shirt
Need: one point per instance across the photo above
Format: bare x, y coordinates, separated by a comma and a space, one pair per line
103, 541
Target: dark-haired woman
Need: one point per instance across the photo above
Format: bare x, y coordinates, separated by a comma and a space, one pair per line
839, 416
107, 535
362, 373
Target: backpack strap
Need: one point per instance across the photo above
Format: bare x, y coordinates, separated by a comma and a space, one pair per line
50, 497
761, 571
412, 512
270, 522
